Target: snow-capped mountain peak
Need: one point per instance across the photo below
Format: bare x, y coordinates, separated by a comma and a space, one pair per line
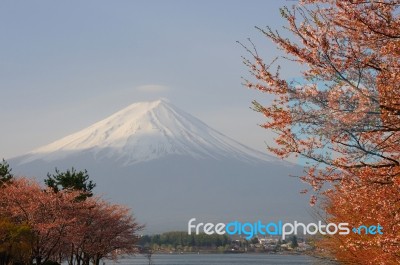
145, 131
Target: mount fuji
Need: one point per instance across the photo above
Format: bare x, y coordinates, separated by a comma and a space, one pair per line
169, 167
146, 131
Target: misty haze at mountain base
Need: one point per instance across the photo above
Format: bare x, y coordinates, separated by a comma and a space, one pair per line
168, 166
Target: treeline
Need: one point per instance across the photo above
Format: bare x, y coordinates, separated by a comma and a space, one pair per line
60, 222
183, 239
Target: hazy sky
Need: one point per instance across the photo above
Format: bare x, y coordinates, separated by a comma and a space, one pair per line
67, 64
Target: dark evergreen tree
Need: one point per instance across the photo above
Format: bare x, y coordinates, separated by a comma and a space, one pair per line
71, 179
5, 172
294, 243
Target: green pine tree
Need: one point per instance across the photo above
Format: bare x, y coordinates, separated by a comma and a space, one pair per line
294, 243
72, 180
5, 172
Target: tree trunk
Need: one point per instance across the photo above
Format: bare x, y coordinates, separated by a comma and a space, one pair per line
38, 260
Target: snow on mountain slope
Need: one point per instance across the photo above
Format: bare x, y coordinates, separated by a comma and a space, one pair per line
145, 131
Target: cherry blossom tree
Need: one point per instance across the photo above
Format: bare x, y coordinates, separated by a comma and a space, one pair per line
63, 228
343, 116
365, 204
45, 212
102, 231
